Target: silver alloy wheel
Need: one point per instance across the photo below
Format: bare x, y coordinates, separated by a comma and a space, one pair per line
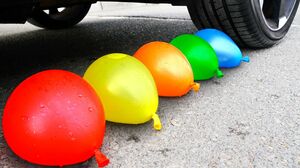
276, 13
54, 11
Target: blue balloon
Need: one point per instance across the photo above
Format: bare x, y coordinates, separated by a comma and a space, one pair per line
228, 53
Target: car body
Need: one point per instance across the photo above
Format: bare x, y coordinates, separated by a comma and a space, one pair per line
250, 23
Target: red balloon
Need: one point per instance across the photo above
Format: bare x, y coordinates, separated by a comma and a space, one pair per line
55, 118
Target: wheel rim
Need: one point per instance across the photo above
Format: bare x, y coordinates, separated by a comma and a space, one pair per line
276, 13
54, 12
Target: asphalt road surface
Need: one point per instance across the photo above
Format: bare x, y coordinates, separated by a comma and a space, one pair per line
249, 118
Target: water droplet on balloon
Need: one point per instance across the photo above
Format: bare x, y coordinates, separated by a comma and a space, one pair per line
80, 96
24, 118
90, 109
42, 106
71, 136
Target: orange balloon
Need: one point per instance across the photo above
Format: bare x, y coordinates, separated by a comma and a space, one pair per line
170, 69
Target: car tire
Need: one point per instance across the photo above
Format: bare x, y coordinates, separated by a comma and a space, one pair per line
56, 19
250, 23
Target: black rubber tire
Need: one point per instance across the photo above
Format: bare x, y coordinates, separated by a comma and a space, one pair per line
240, 19
70, 16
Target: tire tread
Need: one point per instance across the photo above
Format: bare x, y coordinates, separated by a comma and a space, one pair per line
234, 17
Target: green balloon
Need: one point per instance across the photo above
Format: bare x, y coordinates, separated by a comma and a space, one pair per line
200, 54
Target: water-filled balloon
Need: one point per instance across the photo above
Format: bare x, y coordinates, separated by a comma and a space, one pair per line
54, 118
126, 88
228, 53
200, 54
170, 69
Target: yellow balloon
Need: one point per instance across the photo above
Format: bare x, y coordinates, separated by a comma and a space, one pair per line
126, 89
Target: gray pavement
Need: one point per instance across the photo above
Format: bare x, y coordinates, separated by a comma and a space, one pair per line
249, 118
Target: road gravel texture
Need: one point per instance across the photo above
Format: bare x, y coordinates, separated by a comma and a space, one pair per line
249, 118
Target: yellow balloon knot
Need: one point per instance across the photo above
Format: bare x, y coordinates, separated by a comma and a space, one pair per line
156, 122
196, 87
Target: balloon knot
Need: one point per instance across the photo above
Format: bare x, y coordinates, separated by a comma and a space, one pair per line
156, 122
246, 59
101, 159
219, 74
196, 87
